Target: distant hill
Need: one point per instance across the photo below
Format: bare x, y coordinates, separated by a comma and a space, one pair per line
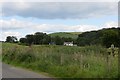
66, 34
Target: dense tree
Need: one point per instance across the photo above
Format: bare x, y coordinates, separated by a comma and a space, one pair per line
104, 37
58, 40
111, 37
29, 39
11, 39
41, 38
119, 37
81, 41
87, 38
23, 40
38, 36
46, 39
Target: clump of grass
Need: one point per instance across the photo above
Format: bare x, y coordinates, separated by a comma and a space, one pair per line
20, 55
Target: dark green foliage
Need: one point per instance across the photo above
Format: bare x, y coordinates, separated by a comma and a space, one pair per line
88, 38
58, 40
65, 37
119, 37
16, 54
11, 39
29, 39
104, 37
23, 40
37, 38
40, 38
27, 57
111, 37
46, 39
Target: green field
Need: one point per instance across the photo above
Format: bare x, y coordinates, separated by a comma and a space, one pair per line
63, 61
73, 35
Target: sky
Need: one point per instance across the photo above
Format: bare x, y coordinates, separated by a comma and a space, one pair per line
24, 17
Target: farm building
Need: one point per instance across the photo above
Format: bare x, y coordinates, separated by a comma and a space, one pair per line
68, 43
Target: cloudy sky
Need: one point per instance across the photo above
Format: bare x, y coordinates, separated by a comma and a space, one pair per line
21, 18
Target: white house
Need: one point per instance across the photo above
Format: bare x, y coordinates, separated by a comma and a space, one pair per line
68, 43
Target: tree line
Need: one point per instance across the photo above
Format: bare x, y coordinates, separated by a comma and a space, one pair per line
40, 38
104, 37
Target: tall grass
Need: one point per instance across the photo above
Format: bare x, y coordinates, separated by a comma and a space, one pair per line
63, 61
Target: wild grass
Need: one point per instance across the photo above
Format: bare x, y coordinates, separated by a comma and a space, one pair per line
63, 61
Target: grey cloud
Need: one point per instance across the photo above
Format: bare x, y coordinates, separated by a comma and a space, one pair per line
59, 10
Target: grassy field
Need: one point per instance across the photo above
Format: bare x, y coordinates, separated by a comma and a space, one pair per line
73, 35
63, 61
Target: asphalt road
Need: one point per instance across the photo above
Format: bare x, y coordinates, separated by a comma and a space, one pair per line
13, 72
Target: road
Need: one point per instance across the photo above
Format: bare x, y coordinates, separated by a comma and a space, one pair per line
13, 72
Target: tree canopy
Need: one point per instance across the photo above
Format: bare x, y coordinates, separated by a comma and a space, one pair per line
40, 38
11, 39
104, 37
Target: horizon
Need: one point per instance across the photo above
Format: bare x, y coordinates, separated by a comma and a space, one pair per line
59, 32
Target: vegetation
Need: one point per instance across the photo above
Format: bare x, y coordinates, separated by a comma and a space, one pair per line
73, 35
37, 38
40, 38
90, 59
63, 61
11, 39
104, 37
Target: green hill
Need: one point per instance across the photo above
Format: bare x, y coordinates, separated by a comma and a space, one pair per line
105, 37
66, 34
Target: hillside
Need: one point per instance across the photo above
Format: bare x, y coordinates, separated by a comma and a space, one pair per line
66, 34
106, 37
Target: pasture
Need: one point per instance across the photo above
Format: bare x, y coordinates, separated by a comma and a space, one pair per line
63, 61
